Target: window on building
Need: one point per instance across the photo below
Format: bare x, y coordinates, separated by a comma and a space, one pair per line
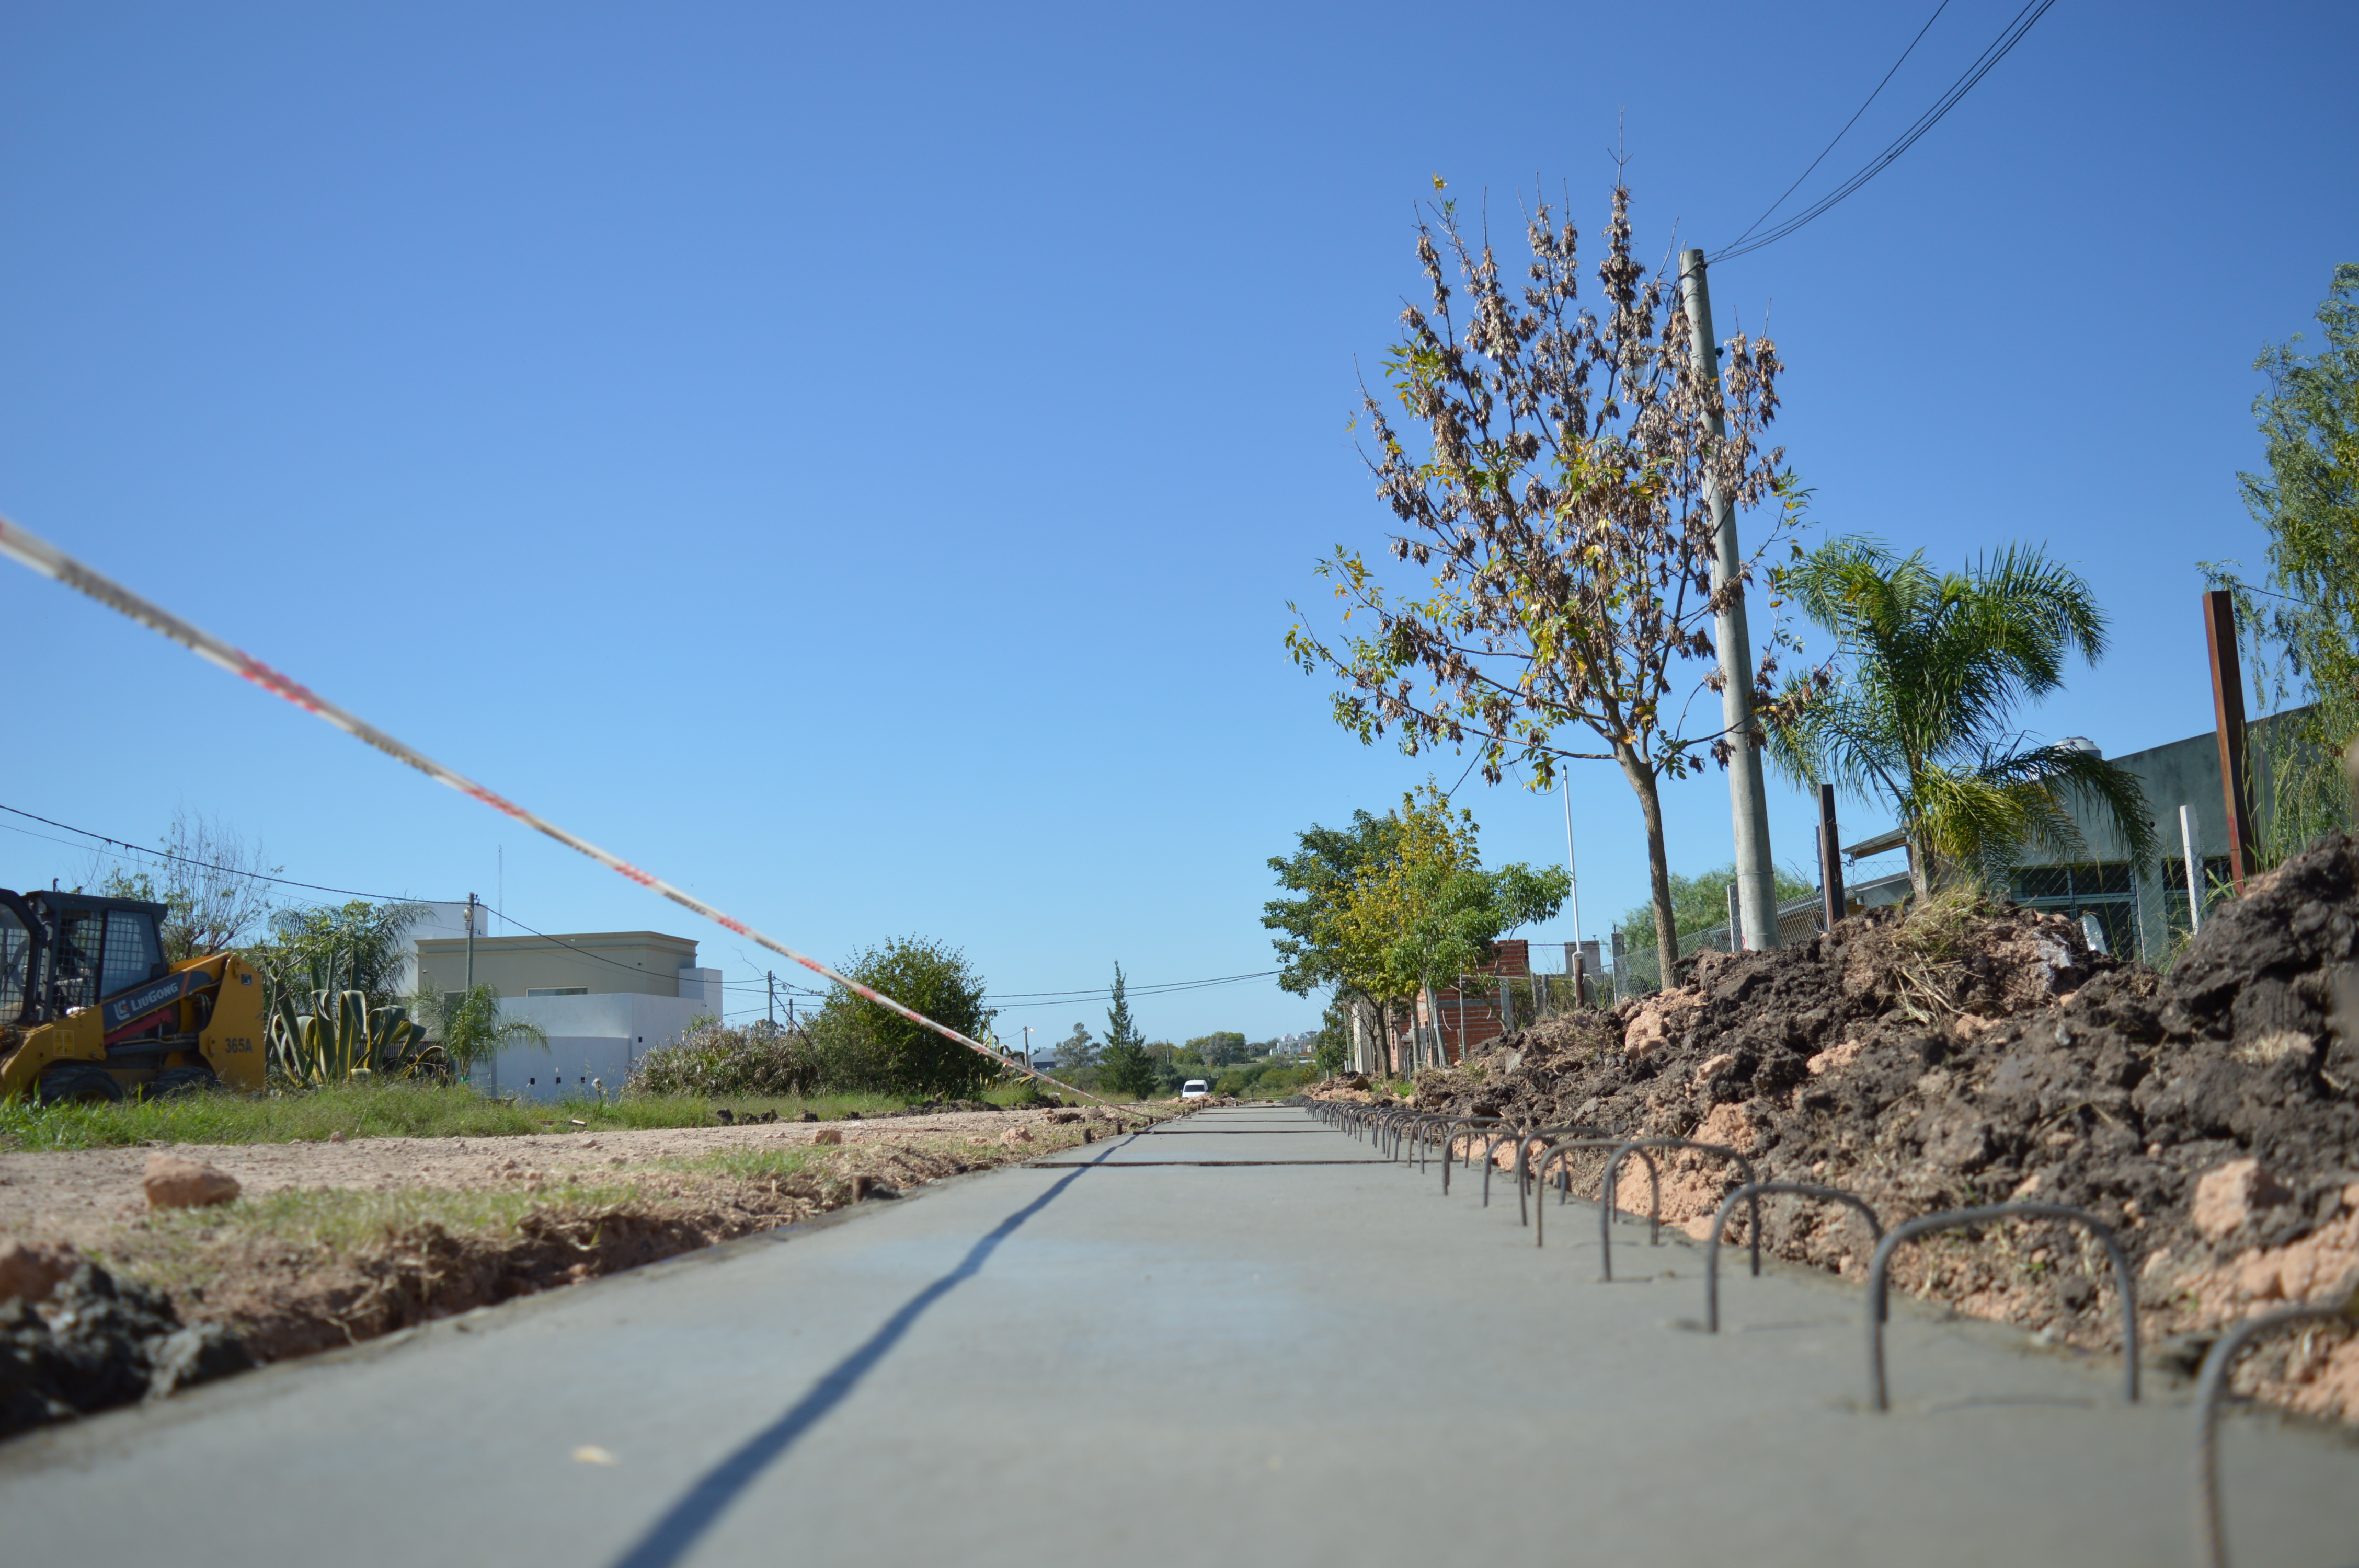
558, 991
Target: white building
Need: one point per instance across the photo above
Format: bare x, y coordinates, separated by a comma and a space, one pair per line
603, 998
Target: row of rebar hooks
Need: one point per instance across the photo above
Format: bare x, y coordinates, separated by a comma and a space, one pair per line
1408, 1136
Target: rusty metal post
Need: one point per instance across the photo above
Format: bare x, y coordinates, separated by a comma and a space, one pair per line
1831, 882
2228, 716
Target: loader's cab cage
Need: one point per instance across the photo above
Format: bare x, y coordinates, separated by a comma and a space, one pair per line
63, 950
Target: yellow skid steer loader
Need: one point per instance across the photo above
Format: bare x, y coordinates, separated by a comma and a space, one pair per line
89, 1008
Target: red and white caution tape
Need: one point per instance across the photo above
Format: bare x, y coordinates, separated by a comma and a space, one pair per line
51, 562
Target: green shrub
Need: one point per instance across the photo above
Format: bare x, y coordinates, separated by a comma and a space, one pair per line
857, 1044
1264, 1079
711, 1059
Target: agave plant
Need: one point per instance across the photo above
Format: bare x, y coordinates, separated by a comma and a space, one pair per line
325, 1036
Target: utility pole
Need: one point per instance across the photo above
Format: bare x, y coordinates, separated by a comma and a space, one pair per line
1748, 799
772, 977
471, 943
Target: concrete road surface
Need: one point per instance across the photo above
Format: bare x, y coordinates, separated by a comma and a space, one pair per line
1236, 1340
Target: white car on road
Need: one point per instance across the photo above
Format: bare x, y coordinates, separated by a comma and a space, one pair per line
1195, 1088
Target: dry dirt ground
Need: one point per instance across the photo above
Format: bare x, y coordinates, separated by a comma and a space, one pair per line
92, 1199
330, 1243
1972, 1055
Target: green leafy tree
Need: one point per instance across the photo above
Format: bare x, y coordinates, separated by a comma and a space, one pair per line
1314, 952
2306, 634
358, 945
1932, 667
1557, 500
1218, 1048
1164, 1055
1078, 1050
1434, 911
1333, 1050
863, 1046
1320, 874
1702, 903
1123, 1066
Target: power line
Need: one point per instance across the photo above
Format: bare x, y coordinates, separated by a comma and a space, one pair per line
1847, 125
2289, 599
1998, 50
288, 881
1135, 990
1056, 998
1105, 996
586, 953
210, 866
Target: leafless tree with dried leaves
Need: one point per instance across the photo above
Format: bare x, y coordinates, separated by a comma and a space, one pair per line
1560, 502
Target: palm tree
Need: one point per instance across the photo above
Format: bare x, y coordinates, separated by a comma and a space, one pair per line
1938, 662
470, 1027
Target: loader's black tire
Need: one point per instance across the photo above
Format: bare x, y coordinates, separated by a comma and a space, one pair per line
79, 1080
183, 1081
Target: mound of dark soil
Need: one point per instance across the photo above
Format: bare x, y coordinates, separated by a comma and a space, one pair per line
1971, 1054
98, 1342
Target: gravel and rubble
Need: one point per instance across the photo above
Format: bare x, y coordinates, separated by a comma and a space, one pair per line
127, 1273
1974, 1054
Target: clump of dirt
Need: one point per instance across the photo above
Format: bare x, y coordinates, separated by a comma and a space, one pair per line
1974, 1053
96, 1342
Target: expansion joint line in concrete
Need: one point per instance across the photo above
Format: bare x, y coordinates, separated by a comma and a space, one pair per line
668, 1540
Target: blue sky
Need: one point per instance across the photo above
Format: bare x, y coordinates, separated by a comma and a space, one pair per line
853, 461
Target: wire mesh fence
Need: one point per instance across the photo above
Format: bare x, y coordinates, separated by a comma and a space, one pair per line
1638, 972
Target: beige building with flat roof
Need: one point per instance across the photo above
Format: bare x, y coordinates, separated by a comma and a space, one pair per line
589, 963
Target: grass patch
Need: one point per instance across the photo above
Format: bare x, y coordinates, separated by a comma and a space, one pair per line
753, 1165
344, 1219
376, 1110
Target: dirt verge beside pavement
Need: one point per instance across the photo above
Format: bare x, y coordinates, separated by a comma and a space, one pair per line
330, 1244
1973, 1054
